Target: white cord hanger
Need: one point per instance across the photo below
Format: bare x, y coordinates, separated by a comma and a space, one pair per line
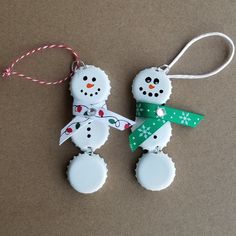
189, 44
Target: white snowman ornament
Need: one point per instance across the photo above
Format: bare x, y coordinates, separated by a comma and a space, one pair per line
152, 88
89, 129
155, 170
87, 172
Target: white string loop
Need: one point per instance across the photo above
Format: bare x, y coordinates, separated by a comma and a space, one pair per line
189, 44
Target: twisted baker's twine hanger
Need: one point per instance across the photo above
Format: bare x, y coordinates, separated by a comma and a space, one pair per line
76, 64
189, 44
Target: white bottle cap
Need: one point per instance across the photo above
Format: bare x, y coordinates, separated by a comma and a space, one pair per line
90, 84
160, 138
155, 171
152, 85
91, 136
87, 173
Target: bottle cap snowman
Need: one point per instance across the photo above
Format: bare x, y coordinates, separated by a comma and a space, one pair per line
89, 129
151, 89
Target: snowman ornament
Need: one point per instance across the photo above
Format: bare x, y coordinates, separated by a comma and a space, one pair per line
155, 169
152, 131
89, 130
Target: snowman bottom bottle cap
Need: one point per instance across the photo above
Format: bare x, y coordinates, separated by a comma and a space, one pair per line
155, 171
87, 173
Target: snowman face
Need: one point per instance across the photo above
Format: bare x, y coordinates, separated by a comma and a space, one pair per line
90, 84
152, 86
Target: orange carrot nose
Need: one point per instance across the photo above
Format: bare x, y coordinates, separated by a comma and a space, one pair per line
151, 86
89, 85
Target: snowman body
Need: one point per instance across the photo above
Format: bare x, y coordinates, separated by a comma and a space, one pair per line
155, 170
87, 172
159, 139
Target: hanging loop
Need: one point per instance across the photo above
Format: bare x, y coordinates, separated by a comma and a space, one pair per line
189, 44
9, 71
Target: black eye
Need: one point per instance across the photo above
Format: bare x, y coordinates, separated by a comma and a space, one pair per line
93, 79
161, 91
85, 78
148, 79
156, 81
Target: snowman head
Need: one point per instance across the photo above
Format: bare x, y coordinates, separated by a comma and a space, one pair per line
152, 86
90, 84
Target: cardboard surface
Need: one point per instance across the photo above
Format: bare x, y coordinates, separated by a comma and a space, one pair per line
122, 37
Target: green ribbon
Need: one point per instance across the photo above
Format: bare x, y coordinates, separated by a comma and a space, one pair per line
157, 116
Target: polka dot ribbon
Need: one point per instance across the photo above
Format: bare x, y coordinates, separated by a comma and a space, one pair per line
85, 113
157, 116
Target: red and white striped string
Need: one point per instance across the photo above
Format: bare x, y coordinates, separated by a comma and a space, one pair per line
9, 71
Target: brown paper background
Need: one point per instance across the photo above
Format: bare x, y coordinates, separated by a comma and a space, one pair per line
122, 37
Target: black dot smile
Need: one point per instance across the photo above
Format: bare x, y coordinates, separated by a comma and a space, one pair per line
149, 93
90, 94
